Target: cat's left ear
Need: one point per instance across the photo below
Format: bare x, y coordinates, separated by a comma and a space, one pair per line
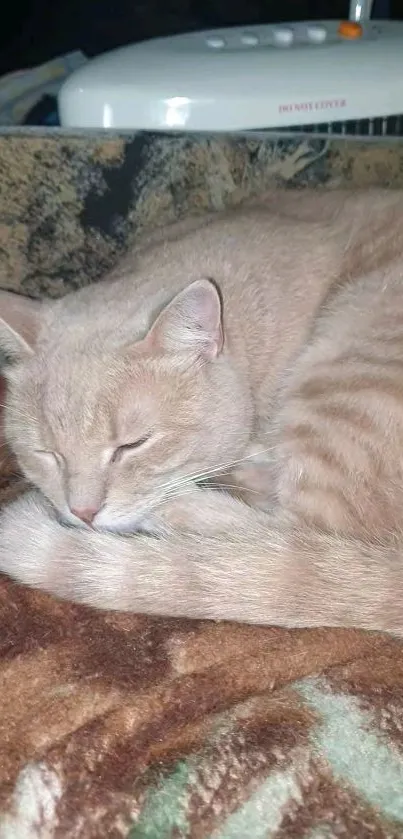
19, 327
191, 324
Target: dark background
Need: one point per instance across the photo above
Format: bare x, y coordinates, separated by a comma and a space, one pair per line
33, 31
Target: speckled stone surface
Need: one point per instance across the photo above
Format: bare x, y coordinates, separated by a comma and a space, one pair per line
70, 205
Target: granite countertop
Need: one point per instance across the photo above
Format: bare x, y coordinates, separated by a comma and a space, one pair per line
71, 204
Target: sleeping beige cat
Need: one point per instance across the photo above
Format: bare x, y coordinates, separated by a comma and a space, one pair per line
261, 349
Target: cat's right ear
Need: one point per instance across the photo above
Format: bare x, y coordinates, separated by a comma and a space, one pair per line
19, 327
191, 323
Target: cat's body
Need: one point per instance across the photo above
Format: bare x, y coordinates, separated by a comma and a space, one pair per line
149, 379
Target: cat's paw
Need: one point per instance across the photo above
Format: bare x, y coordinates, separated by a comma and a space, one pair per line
251, 483
253, 479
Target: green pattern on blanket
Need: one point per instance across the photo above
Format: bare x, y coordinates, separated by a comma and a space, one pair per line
356, 757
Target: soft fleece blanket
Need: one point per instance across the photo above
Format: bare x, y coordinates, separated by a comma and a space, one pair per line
114, 725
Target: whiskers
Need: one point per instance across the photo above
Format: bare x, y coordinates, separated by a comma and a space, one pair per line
192, 488
16, 412
187, 483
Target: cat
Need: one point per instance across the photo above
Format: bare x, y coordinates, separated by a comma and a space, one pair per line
216, 429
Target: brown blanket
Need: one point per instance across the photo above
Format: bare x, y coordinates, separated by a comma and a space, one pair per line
122, 726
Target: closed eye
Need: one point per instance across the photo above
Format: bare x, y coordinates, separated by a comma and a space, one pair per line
47, 454
128, 447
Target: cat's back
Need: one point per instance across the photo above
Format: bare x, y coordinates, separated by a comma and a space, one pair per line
271, 271
274, 262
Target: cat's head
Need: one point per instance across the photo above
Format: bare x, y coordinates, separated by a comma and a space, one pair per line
107, 428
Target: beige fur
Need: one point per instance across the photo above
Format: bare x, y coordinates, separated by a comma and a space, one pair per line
262, 350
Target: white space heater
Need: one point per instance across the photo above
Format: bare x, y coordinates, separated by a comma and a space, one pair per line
332, 76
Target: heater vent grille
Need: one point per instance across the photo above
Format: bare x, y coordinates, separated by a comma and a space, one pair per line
391, 126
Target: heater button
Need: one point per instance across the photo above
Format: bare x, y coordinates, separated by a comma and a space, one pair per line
350, 29
317, 34
249, 39
216, 42
283, 36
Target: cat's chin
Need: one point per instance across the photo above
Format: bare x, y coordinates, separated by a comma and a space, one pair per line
156, 531
146, 525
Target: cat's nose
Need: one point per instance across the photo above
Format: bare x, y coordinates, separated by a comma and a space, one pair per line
86, 514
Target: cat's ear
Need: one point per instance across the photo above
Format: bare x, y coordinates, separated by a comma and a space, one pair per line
19, 326
191, 324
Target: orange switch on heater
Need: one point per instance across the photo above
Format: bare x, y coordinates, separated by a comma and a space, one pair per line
350, 29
